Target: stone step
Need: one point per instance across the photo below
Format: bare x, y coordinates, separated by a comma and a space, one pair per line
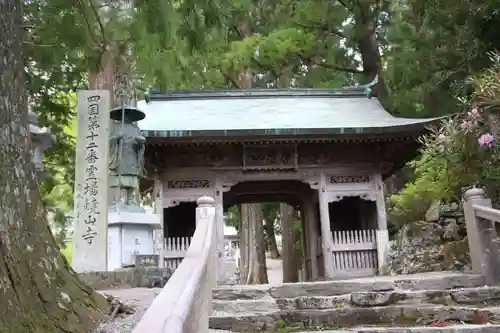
421, 329
425, 281
478, 297
239, 307
350, 317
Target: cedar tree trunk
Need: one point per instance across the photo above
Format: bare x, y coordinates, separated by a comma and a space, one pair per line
39, 292
254, 247
288, 239
272, 246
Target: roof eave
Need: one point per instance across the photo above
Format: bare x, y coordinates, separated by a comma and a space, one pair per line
406, 128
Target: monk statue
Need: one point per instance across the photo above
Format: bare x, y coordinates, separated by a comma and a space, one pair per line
126, 159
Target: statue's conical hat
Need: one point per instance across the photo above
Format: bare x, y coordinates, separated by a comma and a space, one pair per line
131, 113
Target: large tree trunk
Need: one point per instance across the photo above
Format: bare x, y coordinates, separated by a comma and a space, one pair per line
272, 246
244, 246
116, 68
368, 45
39, 291
253, 244
115, 74
288, 239
252, 263
253, 221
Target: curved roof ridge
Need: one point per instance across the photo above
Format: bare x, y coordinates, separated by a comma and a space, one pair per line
156, 95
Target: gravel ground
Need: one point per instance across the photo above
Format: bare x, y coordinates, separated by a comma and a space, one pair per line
138, 298
141, 298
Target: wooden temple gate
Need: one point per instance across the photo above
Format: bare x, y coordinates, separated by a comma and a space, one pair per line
333, 147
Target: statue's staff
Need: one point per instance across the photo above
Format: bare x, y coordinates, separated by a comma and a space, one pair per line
126, 164
120, 152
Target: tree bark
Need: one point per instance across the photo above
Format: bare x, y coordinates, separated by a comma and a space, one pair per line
39, 291
116, 68
257, 270
368, 45
272, 246
115, 75
288, 239
244, 245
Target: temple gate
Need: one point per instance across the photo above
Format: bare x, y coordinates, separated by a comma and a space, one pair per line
324, 150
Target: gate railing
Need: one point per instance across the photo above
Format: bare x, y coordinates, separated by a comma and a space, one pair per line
175, 250
184, 305
354, 252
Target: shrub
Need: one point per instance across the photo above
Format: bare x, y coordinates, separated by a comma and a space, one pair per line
464, 151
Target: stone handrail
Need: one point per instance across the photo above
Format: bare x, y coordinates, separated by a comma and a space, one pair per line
484, 248
185, 303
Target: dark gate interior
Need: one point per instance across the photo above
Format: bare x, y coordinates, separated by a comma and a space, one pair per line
352, 213
180, 221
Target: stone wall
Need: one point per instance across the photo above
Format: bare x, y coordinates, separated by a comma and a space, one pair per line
428, 246
143, 277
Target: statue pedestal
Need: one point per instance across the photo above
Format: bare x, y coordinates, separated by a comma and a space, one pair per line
130, 234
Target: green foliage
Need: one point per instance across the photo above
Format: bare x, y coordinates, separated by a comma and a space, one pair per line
309, 44
435, 45
432, 182
460, 154
66, 251
58, 53
233, 217
429, 48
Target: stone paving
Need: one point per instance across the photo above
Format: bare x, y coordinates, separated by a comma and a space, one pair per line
274, 271
141, 298
271, 299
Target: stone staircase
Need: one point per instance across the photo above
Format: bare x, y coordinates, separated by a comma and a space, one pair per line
432, 302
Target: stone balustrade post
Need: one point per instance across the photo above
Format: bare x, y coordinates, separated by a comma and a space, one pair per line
481, 234
206, 211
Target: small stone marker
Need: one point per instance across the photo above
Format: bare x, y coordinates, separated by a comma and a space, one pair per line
90, 239
147, 260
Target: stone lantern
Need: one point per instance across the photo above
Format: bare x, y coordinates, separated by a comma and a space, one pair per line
41, 139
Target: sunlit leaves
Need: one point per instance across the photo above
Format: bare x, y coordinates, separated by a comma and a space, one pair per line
452, 157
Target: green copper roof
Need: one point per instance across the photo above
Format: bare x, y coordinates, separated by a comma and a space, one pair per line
269, 112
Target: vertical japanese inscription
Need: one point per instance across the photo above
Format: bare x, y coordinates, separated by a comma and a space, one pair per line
91, 174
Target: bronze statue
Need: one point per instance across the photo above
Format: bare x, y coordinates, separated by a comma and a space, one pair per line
126, 158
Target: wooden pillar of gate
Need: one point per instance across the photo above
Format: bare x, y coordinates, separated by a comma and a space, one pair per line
326, 230
382, 235
310, 225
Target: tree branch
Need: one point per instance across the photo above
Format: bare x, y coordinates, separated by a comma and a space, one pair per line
89, 26
329, 66
98, 18
345, 5
338, 68
254, 60
323, 27
361, 11
41, 45
230, 79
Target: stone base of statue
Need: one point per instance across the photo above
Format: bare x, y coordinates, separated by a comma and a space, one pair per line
131, 229
129, 234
